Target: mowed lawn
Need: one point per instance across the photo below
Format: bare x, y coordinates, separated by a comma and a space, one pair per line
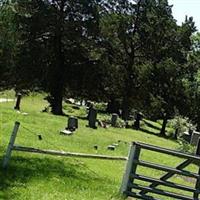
45, 177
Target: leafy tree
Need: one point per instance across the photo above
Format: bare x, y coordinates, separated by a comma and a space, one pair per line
167, 51
192, 82
55, 40
8, 45
121, 22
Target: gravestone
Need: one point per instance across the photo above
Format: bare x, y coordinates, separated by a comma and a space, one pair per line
114, 119
66, 132
17, 105
72, 124
195, 138
111, 147
138, 118
92, 117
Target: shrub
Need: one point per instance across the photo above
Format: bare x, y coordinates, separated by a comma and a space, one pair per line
180, 125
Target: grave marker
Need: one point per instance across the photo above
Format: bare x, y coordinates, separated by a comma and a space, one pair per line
17, 105
114, 119
195, 138
138, 118
72, 123
92, 118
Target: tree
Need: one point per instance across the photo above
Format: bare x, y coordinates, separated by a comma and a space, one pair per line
55, 38
8, 45
167, 51
192, 82
121, 22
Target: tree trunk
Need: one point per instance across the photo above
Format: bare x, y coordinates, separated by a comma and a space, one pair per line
162, 131
126, 104
56, 103
125, 109
58, 70
113, 107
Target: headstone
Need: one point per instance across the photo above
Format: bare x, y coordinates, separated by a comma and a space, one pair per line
114, 119
126, 124
96, 147
92, 118
195, 138
111, 147
39, 137
138, 117
72, 123
198, 148
17, 105
83, 103
66, 132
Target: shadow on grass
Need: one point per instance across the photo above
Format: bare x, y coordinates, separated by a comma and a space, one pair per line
22, 170
149, 132
151, 125
158, 134
77, 116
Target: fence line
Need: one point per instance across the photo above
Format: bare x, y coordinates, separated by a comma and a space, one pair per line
12, 147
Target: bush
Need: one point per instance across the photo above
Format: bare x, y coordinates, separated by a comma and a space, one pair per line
185, 147
100, 106
180, 125
107, 119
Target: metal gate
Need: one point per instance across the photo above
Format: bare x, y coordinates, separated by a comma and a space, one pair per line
129, 186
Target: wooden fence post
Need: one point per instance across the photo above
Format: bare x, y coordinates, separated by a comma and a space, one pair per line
10, 145
197, 185
130, 168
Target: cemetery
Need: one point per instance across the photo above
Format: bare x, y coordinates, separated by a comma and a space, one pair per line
87, 148
99, 100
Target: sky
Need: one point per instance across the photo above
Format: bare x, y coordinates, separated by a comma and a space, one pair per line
182, 8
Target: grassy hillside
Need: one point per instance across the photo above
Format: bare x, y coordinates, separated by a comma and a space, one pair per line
42, 177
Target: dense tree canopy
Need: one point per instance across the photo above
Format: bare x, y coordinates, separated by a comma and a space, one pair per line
131, 54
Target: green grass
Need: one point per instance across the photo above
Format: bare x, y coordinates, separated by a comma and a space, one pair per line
34, 177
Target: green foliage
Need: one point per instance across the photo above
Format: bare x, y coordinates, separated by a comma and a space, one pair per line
101, 106
131, 54
186, 147
181, 124
8, 45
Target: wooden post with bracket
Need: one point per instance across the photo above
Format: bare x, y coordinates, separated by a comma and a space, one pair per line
10, 145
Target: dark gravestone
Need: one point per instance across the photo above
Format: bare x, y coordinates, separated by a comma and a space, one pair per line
195, 138
17, 105
111, 147
114, 119
92, 118
198, 148
72, 124
39, 137
138, 117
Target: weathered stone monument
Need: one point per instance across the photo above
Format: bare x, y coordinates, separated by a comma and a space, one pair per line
17, 105
92, 117
72, 124
195, 138
114, 119
138, 117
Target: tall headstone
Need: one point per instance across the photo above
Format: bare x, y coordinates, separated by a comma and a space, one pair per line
114, 119
138, 118
17, 105
72, 124
92, 118
198, 148
195, 138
